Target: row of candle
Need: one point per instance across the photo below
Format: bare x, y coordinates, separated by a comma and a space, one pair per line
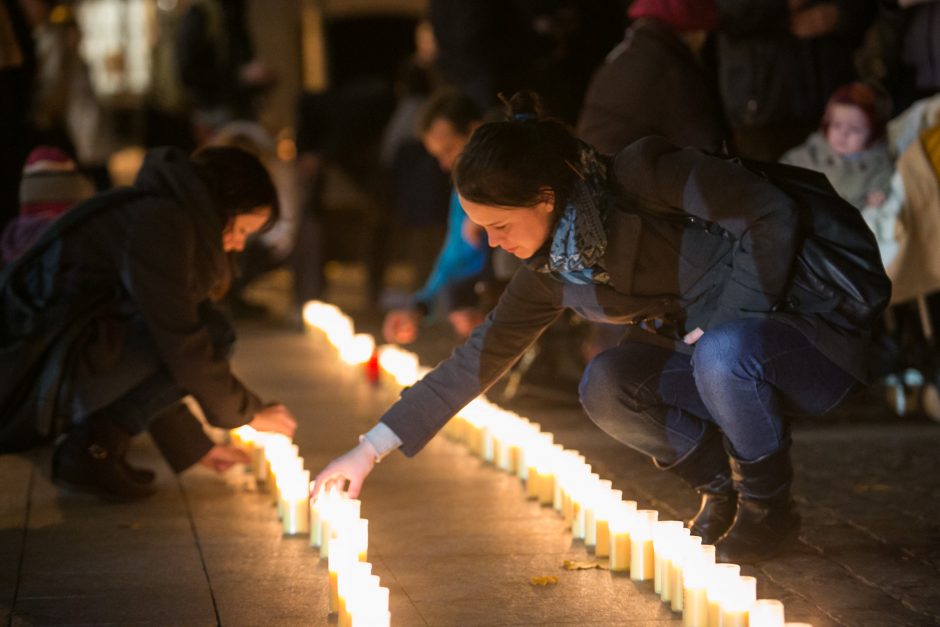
683, 571
333, 523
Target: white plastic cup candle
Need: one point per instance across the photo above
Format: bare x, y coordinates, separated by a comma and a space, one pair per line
341, 558
720, 578
620, 525
296, 505
766, 613
641, 545
352, 578
695, 577
736, 604
664, 533
682, 554
595, 501
373, 611
610, 503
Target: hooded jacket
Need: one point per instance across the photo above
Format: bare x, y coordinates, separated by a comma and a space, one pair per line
153, 251
728, 252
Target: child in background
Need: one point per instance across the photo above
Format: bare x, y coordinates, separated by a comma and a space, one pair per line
51, 184
849, 147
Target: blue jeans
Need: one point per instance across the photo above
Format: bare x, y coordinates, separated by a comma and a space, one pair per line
744, 377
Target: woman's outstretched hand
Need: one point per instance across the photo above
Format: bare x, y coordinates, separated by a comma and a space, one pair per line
275, 418
353, 467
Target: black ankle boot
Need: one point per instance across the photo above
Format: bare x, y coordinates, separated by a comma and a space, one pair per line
139, 475
706, 469
91, 459
767, 520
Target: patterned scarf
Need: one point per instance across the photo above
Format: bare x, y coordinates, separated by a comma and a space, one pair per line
579, 240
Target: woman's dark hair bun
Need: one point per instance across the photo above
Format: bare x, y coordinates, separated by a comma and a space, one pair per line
524, 106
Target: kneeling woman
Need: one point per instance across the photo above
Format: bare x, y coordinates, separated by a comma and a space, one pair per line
712, 364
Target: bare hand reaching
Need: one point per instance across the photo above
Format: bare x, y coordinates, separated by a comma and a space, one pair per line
353, 467
221, 457
275, 418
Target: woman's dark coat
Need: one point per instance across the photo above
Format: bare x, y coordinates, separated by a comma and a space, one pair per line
671, 274
154, 252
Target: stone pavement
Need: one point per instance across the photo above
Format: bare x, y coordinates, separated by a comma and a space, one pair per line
454, 539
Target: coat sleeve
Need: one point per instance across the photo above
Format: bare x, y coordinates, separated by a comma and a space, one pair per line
762, 220
157, 273
528, 305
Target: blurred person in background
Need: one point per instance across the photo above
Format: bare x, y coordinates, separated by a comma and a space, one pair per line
446, 124
66, 111
51, 184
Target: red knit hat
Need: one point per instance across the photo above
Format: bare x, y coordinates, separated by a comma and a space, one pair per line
51, 182
680, 15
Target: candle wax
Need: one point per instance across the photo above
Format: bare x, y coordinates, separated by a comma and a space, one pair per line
641, 559
695, 607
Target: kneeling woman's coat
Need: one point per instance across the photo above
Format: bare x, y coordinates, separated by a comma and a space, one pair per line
149, 256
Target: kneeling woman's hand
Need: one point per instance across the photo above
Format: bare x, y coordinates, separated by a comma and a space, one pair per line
221, 457
353, 467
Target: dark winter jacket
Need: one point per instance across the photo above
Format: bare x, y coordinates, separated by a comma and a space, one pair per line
154, 252
651, 84
768, 76
668, 274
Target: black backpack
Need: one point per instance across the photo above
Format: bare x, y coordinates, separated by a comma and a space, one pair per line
839, 255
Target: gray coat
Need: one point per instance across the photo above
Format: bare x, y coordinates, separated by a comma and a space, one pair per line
682, 273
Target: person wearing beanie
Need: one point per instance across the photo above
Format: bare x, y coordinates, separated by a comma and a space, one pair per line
51, 184
652, 83
849, 147
109, 323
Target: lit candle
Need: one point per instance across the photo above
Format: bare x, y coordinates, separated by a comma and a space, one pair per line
602, 520
358, 532
323, 503
373, 611
340, 559
690, 545
669, 571
342, 511
664, 533
766, 613
296, 504
351, 580
641, 545
695, 577
621, 524
597, 493
579, 495
737, 603
721, 577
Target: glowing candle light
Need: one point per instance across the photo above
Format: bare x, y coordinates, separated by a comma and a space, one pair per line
352, 578
621, 525
343, 511
579, 496
721, 577
323, 503
679, 555
597, 492
641, 545
664, 533
340, 559
766, 613
695, 577
736, 604
602, 521
296, 504
373, 611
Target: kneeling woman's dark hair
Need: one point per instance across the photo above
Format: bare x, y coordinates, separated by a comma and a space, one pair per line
236, 180
509, 164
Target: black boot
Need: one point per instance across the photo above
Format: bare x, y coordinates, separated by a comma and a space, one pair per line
706, 469
139, 475
767, 520
91, 459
